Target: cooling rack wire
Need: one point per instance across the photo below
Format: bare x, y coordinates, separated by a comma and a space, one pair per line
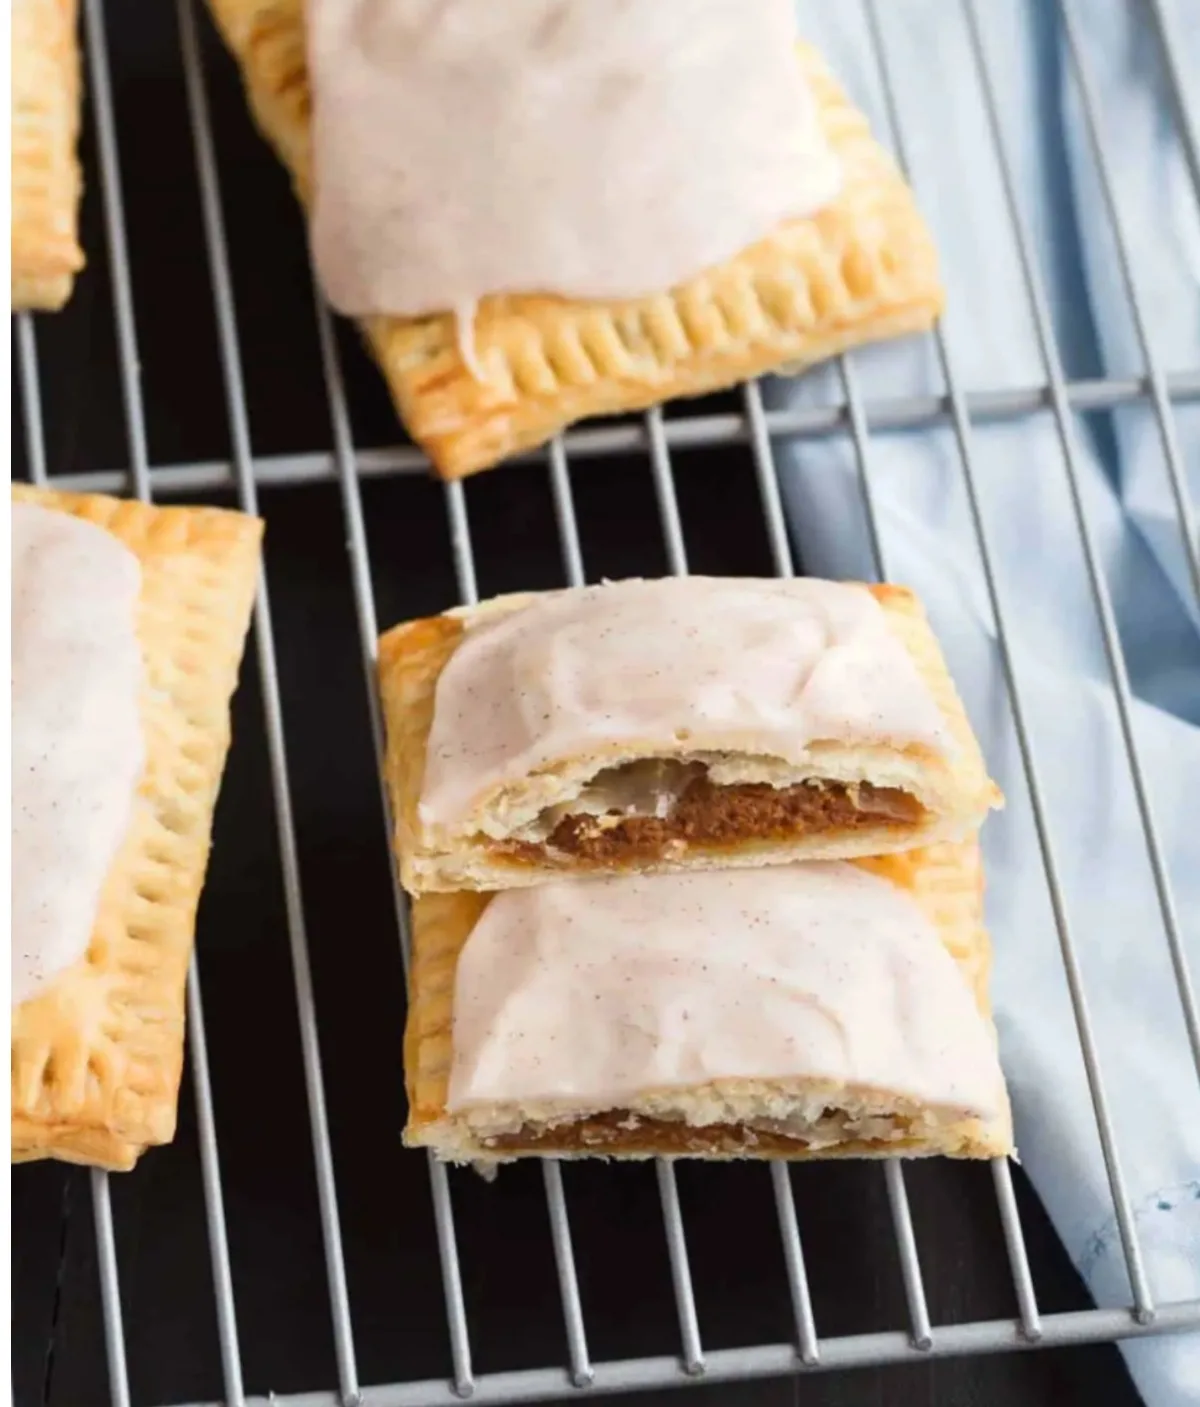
757, 425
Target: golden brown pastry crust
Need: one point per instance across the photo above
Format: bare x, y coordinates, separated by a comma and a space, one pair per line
97, 1057
413, 655
46, 180
860, 270
946, 880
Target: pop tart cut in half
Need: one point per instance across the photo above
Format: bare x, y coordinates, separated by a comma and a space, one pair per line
831, 1009
685, 723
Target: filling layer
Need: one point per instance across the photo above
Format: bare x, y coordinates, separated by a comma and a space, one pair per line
682, 805
625, 1130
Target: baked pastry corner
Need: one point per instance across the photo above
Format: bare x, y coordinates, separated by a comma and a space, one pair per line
46, 177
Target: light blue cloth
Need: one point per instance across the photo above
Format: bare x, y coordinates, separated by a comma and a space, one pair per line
928, 542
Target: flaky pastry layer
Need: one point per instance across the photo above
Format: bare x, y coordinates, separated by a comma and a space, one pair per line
717, 1120
862, 269
954, 794
97, 1057
46, 179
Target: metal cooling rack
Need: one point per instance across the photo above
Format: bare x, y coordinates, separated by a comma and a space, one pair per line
657, 437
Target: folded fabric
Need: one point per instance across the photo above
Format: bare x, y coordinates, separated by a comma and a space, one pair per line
1065, 686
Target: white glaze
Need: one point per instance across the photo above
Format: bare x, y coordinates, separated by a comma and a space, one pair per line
760, 666
586, 994
77, 738
589, 148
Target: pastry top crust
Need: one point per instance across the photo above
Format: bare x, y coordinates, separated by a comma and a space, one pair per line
946, 881
96, 1058
46, 178
412, 656
861, 269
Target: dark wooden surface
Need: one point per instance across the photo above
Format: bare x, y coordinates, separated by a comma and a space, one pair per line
391, 1256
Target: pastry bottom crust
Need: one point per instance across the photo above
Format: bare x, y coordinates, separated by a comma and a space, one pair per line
92, 1147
